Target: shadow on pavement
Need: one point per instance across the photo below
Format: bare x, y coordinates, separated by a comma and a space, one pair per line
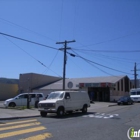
66, 116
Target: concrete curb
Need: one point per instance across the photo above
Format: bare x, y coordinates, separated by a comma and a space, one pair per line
12, 118
112, 105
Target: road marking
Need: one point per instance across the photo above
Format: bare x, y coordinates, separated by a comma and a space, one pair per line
20, 126
33, 120
102, 115
39, 137
15, 133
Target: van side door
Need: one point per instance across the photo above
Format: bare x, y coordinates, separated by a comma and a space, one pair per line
67, 101
22, 100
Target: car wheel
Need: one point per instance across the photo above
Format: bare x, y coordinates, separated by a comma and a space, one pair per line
43, 114
60, 112
12, 104
84, 109
129, 103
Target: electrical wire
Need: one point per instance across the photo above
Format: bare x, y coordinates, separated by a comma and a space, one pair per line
52, 63
26, 52
28, 41
108, 51
7, 21
99, 64
61, 17
75, 17
113, 39
31, 55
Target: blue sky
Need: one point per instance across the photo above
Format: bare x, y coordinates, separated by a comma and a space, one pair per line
107, 32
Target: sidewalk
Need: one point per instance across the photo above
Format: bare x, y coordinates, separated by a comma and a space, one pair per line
6, 114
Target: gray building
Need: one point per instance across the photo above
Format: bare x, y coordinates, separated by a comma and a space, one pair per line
29, 81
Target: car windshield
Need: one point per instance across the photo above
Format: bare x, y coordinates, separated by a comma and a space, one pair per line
123, 98
55, 95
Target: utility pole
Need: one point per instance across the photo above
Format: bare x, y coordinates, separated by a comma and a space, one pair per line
65, 59
135, 75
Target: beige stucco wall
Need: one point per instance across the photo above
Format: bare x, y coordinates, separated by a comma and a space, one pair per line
29, 81
8, 91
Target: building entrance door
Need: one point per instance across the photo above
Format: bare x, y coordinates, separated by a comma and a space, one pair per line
99, 93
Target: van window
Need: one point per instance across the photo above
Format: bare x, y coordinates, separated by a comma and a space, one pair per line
54, 95
61, 96
23, 96
33, 95
40, 95
138, 92
67, 95
133, 93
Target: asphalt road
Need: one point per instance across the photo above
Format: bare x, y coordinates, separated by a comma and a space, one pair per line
108, 123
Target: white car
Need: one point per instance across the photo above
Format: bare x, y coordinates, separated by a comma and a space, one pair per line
21, 99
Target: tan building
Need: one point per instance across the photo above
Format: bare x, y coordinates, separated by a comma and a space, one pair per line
108, 88
8, 88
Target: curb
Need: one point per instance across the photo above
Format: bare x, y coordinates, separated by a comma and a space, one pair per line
112, 105
12, 118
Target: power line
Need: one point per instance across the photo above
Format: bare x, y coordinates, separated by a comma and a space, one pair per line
26, 29
26, 52
32, 56
28, 41
61, 19
109, 51
108, 57
112, 39
100, 64
52, 62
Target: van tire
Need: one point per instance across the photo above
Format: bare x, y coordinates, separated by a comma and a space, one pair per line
12, 104
60, 112
84, 109
43, 114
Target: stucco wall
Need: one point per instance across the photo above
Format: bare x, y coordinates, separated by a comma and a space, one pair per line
8, 91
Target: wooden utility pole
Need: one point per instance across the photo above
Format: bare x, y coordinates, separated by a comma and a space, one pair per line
65, 59
135, 75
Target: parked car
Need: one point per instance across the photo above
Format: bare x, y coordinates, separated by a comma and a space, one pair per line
61, 102
125, 100
21, 99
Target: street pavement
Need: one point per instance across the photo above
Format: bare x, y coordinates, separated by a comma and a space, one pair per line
6, 113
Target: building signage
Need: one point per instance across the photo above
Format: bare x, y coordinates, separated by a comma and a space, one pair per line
81, 85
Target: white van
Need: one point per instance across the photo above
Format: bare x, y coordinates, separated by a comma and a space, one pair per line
21, 99
135, 94
62, 102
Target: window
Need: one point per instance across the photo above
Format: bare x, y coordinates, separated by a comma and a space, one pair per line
61, 96
67, 95
122, 84
26, 96
133, 93
33, 95
118, 86
23, 96
40, 95
138, 92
